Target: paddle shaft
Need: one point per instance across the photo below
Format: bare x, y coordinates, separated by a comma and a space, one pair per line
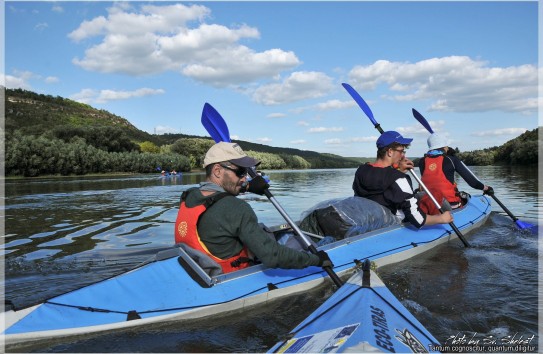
515, 219
298, 231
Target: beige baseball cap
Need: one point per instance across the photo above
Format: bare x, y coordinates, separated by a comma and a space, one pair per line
232, 152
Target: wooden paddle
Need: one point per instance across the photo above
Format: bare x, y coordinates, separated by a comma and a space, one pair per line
521, 224
366, 109
218, 130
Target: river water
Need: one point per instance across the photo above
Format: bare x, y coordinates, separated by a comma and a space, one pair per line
63, 233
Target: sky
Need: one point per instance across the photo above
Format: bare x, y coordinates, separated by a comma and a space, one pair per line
273, 70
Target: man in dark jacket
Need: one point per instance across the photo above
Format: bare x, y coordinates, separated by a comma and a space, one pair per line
391, 187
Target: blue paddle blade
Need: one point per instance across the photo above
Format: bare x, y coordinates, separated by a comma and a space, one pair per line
215, 124
527, 226
358, 99
422, 120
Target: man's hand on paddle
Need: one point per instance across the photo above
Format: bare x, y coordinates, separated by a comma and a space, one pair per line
258, 185
405, 164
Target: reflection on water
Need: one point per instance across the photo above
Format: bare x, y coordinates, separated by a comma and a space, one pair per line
63, 233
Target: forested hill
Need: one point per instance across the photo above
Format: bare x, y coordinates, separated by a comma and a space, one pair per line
34, 114
522, 150
56, 135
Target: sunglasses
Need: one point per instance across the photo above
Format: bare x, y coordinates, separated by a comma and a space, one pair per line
240, 171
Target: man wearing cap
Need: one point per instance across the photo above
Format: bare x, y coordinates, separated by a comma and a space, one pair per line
437, 168
391, 187
212, 220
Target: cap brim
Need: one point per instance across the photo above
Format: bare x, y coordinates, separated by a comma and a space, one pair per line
405, 141
245, 162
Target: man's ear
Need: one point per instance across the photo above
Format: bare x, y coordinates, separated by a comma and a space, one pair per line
389, 154
216, 171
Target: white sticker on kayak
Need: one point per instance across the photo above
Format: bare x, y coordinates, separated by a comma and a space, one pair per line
322, 342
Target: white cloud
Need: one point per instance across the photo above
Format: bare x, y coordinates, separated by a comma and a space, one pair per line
41, 26
298, 86
325, 106
303, 123
500, 132
335, 104
264, 140
297, 142
57, 8
51, 79
364, 139
333, 141
277, 115
160, 129
14, 82
454, 83
20, 79
325, 129
156, 39
103, 96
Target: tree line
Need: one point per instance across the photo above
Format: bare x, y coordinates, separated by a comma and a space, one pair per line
68, 150
523, 150
102, 149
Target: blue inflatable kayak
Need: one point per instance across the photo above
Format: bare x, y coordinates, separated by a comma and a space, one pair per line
363, 316
173, 286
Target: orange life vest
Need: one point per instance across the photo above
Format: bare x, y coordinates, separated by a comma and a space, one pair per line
438, 184
186, 231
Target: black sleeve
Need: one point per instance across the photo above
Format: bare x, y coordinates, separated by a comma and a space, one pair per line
400, 193
466, 174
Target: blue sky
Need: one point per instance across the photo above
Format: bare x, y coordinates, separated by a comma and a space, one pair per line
274, 69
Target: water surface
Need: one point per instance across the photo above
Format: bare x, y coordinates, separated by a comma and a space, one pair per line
63, 233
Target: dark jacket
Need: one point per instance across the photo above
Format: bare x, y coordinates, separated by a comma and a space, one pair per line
390, 188
231, 223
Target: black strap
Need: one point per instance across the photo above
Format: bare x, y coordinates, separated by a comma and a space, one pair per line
236, 263
215, 198
209, 201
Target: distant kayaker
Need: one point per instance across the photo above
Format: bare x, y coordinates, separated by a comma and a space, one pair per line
392, 187
212, 220
437, 168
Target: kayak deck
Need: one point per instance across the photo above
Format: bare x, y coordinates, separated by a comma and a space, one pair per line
362, 316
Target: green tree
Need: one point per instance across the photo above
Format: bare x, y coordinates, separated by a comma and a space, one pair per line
148, 146
194, 148
295, 161
107, 138
268, 160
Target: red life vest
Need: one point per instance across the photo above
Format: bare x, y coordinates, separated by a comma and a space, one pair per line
440, 187
186, 231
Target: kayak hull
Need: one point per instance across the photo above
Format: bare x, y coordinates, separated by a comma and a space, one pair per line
162, 290
360, 317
